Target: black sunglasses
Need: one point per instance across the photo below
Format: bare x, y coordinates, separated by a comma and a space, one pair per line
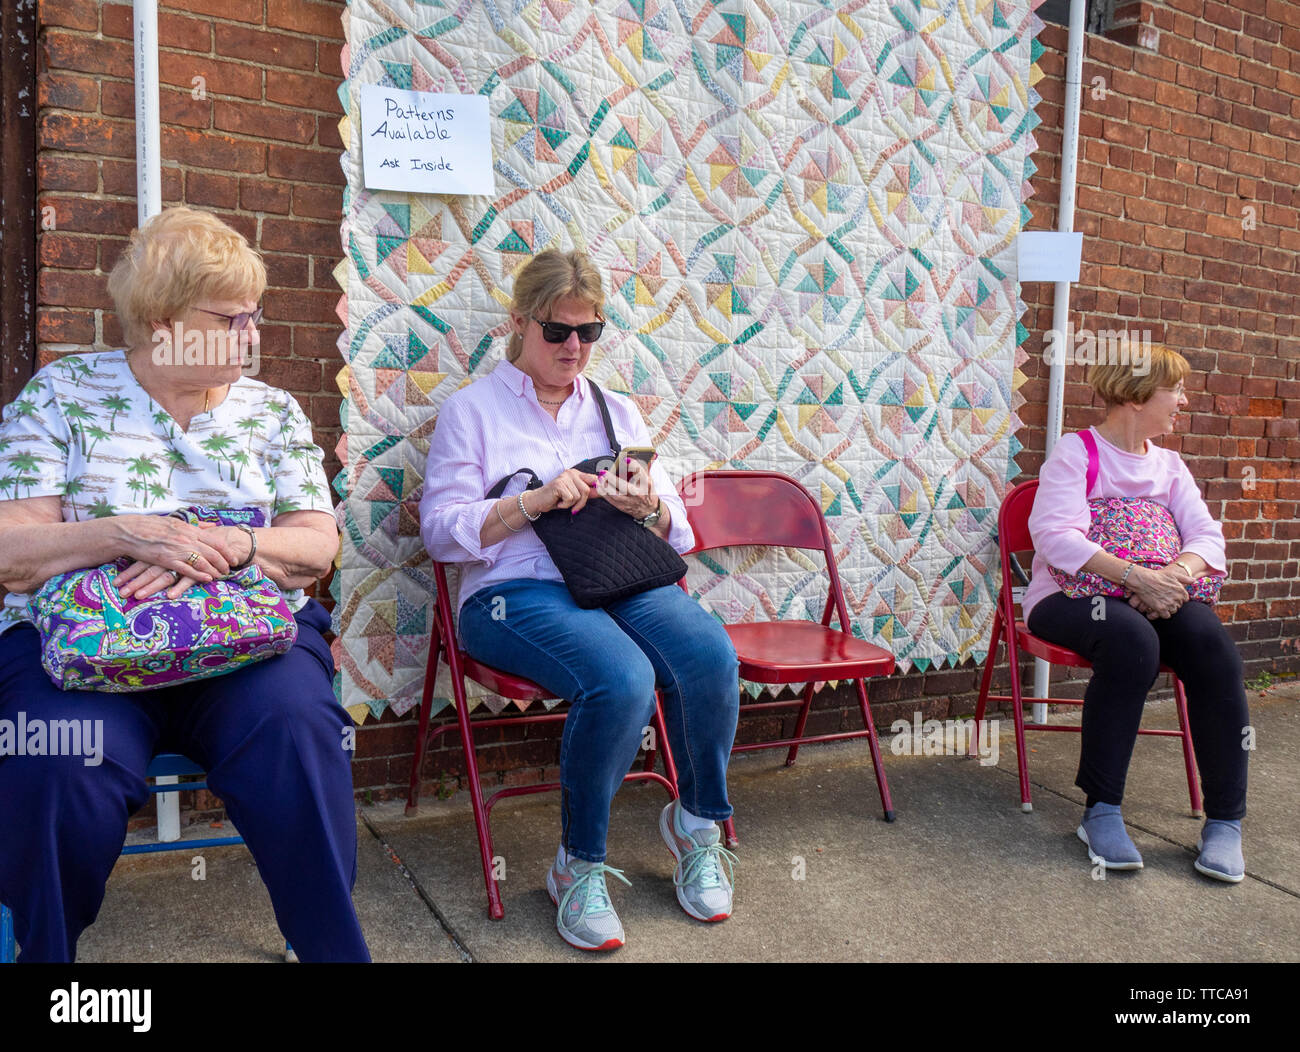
236, 322
554, 332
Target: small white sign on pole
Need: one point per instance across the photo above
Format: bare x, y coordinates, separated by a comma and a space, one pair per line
1049, 255
425, 143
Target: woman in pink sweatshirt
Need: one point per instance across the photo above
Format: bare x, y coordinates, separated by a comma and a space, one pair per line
1127, 639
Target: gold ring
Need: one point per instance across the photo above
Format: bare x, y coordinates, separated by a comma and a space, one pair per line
192, 558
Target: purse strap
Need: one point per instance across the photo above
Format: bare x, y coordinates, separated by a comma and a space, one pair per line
604, 416
1094, 462
495, 492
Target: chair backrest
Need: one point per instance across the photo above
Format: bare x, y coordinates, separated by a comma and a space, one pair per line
443, 621
731, 508
1013, 536
1013, 519
727, 508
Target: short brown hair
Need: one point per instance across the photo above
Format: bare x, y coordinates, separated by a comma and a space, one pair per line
549, 277
175, 259
1120, 384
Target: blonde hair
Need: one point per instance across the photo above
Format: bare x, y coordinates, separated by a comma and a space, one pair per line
1120, 384
548, 277
174, 260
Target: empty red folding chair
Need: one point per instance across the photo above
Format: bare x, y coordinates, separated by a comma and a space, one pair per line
1013, 537
444, 645
732, 508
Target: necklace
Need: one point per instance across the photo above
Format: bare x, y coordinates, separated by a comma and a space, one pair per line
546, 401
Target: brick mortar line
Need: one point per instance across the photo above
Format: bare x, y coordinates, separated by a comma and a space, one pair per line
263, 103
46, 28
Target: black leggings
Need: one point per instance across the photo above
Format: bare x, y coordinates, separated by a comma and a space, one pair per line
1126, 651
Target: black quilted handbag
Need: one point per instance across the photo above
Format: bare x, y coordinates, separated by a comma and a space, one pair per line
602, 553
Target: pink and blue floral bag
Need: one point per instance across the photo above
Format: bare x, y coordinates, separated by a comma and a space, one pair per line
1137, 529
93, 639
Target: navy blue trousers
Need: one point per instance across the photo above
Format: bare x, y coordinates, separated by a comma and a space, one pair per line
271, 738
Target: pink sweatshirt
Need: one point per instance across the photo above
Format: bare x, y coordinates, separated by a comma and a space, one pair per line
1060, 519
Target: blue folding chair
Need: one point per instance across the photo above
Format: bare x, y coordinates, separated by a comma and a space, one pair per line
6, 936
165, 770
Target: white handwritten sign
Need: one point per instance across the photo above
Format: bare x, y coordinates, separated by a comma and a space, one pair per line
425, 143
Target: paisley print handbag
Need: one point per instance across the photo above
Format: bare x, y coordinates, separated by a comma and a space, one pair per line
1136, 529
93, 639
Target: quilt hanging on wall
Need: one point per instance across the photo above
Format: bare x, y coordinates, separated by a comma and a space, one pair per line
805, 214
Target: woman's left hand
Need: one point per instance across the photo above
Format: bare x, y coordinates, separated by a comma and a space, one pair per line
142, 580
1179, 574
631, 491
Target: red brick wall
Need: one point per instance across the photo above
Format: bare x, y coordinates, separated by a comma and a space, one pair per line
260, 148
1195, 134
1198, 122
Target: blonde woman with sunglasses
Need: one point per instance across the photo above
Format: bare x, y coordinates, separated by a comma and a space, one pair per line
537, 410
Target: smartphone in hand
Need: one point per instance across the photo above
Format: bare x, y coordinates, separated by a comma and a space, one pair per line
645, 454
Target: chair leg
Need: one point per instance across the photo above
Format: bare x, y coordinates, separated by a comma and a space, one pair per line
1018, 716
987, 679
800, 724
1189, 759
881, 783
729, 834
661, 731
7, 952
422, 735
495, 908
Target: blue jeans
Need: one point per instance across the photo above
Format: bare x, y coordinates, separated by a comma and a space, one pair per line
607, 662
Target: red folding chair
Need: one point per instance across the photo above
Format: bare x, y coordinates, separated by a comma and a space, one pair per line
1013, 537
444, 645
731, 508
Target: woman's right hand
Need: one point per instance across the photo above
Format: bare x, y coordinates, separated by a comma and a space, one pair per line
570, 489
1157, 593
167, 542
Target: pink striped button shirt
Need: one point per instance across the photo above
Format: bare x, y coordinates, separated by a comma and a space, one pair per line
491, 428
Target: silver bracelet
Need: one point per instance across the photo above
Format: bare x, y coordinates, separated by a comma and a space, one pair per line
512, 529
252, 552
1128, 571
524, 511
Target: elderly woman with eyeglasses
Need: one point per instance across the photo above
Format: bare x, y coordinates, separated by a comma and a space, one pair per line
1127, 639
94, 449
536, 410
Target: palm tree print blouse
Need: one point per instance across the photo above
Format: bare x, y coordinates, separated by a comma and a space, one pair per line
84, 430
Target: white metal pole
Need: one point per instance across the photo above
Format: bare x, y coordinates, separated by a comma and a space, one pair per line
148, 151
148, 192
1061, 297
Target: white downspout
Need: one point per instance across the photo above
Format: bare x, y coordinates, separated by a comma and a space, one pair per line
1061, 297
148, 152
148, 193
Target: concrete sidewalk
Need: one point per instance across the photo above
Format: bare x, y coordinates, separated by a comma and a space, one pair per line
963, 875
